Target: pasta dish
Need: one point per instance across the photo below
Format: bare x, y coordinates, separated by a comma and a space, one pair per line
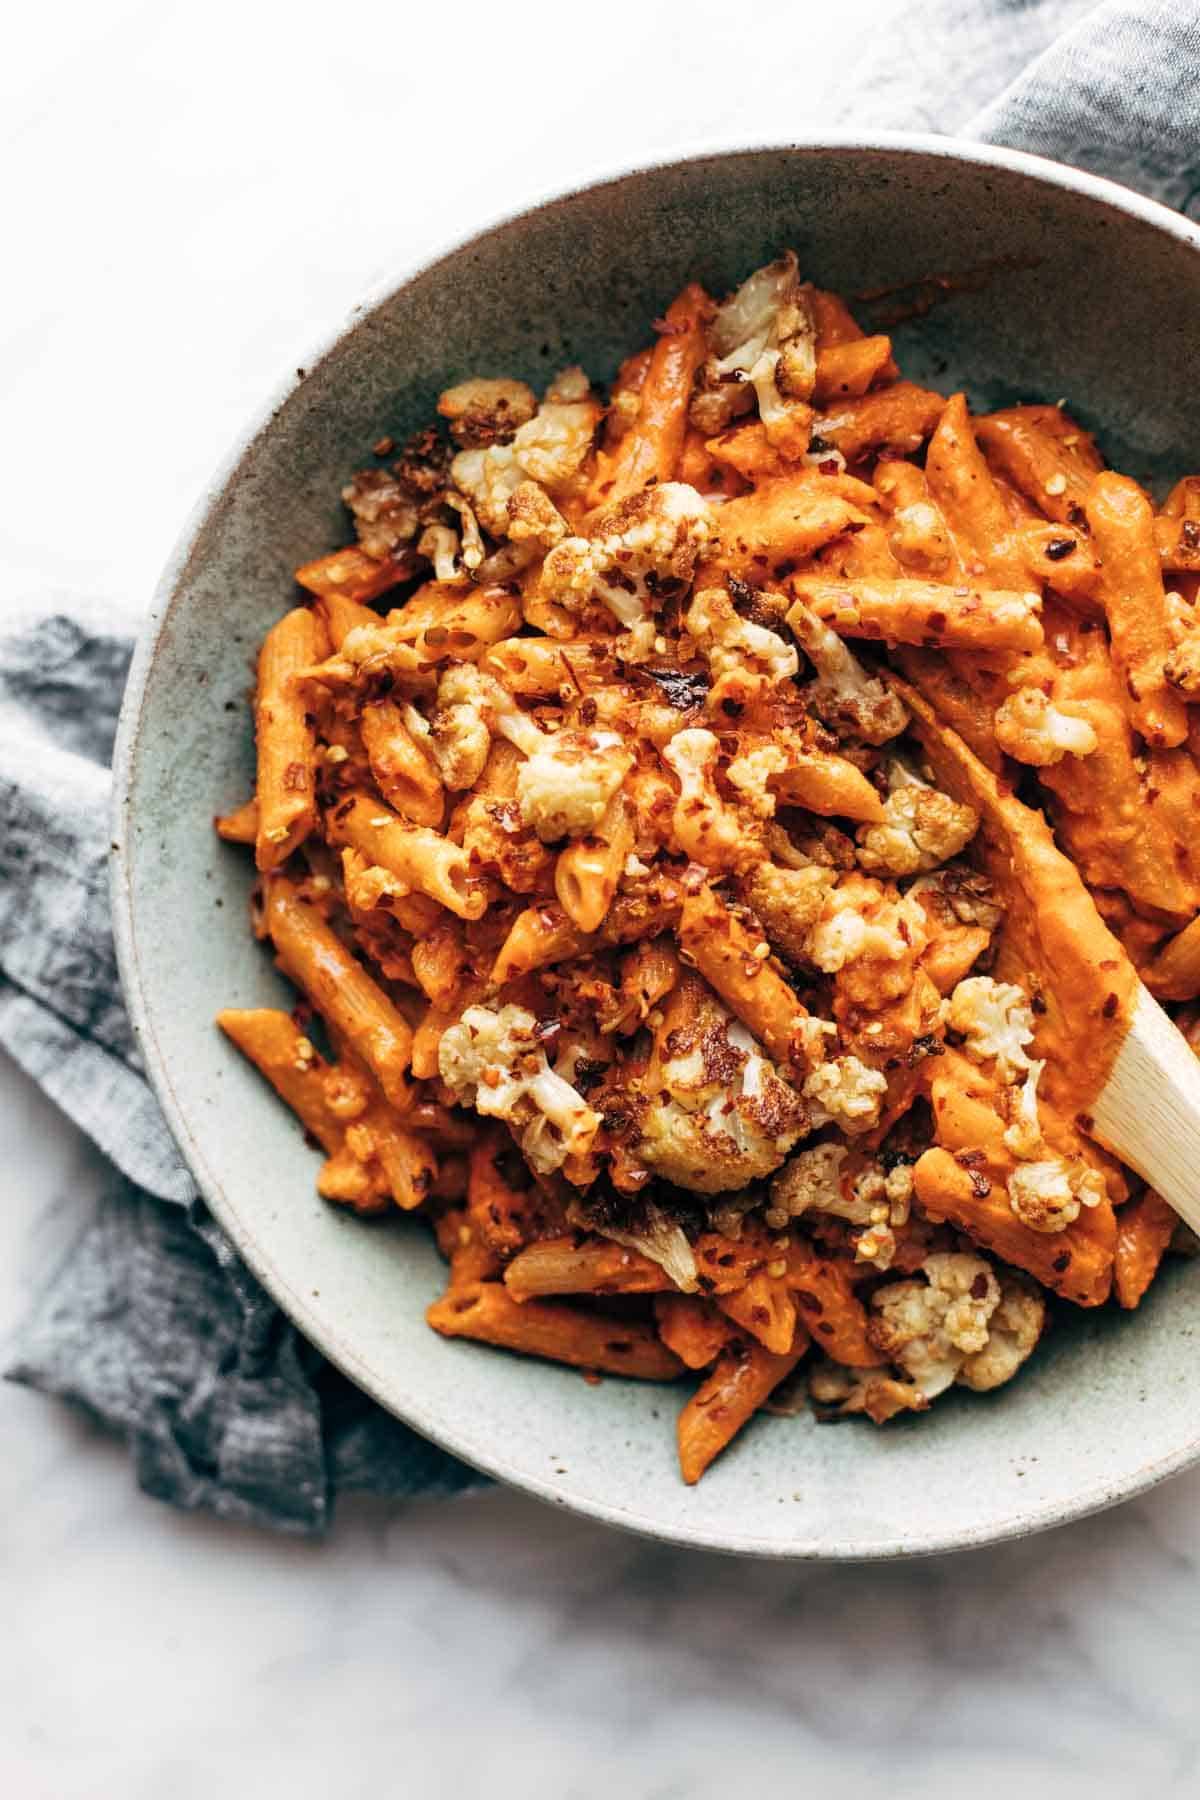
715, 827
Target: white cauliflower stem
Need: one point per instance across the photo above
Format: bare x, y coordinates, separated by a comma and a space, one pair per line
640, 551
494, 1062
764, 344
844, 696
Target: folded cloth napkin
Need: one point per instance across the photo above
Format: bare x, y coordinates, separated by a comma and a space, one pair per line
151, 1322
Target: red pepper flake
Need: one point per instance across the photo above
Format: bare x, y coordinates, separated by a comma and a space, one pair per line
809, 1301
1189, 534
1058, 548
1061, 1262
1110, 1006
979, 1287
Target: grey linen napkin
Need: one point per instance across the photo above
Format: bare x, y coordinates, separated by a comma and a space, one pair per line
151, 1322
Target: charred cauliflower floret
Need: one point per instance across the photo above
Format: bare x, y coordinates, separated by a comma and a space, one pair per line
922, 829
1013, 1331
788, 902
494, 1062
995, 1020
384, 515
564, 787
847, 1091
764, 348
1033, 730
640, 551
533, 517
736, 648
843, 695
549, 449
483, 412
1048, 1195
456, 735
928, 1328
655, 1236
877, 1199
723, 1116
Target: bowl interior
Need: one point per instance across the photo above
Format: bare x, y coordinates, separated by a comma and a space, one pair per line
1082, 299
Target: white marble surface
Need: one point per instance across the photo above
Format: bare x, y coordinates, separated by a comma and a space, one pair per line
191, 194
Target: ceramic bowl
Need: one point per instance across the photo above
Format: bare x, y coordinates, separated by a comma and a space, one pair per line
1090, 293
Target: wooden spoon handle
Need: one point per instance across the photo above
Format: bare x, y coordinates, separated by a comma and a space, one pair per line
1148, 1112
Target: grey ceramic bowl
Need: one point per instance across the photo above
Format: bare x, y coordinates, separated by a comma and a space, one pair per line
1095, 295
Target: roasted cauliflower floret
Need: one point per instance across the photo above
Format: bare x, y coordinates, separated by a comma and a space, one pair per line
564, 787
788, 902
661, 1239
549, 449
764, 345
888, 930
750, 774
843, 695
735, 646
384, 515
996, 1021
810, 1181
494, 1062
457, 736
846, 1091
928, 1328
723, 1116
923, 829
1013, 1331
704, 827
640, 551
533, 517
1033, 730
837, 1390
1048, 1195
483, 412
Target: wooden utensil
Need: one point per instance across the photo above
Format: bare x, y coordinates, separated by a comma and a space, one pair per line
1148, 1112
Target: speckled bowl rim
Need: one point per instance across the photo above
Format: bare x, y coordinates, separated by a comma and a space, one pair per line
469, 1437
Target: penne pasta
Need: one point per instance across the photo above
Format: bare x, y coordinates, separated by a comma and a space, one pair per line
588, 871
716, 942
595, 1266
743, 1378
415, 855
925, 613
1131, 590
487, 1312
403, 773
287, 745
339, 987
